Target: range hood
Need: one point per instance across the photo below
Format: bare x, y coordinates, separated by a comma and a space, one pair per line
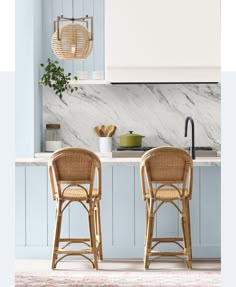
124, 75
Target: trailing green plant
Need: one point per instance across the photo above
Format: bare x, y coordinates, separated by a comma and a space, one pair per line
55, 78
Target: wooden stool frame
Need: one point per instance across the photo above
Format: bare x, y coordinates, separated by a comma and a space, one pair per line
170, 168
73, 168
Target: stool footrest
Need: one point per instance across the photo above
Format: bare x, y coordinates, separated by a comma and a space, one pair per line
170, 239
159, 253
74, 252
74, 240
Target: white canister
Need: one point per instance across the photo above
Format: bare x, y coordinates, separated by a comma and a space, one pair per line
98, 75
105, 144
82, 75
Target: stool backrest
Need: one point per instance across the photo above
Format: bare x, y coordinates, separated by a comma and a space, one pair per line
166, 166
73, 166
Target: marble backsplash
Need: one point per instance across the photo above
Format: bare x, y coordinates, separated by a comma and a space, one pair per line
157, 111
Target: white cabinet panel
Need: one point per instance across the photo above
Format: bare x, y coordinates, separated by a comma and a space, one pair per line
162, 41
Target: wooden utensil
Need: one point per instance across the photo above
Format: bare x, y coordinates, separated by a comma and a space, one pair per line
109, 130
101, 133
97, 130
113, 130
104, 130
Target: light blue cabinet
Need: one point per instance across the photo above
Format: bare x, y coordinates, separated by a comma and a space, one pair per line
107, 210
210, 215
122, 214
36, 206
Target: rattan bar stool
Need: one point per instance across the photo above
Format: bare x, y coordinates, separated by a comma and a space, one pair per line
72, 173
166, 177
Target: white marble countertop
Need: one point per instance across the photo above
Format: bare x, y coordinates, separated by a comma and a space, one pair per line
106, 159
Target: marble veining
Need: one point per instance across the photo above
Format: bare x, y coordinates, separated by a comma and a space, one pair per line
157, 111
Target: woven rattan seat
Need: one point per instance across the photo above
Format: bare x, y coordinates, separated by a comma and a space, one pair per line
166, 177
168, 194
78, 194
72, 175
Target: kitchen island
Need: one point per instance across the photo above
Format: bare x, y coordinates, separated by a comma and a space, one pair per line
122, 210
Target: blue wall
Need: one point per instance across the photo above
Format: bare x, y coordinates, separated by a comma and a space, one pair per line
28, 91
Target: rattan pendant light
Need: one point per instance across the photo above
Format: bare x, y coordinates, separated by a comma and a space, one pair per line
73, 41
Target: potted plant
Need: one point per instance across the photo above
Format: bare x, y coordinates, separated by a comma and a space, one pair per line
55, 78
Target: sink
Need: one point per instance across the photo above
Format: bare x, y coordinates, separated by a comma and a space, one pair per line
200, 148
204, 151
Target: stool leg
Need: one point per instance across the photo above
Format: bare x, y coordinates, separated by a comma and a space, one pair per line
183, 226
187, 232
93, 236
98, 228
57, 234
149, 233
146, 223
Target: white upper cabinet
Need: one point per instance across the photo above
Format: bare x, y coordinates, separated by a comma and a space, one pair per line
162, 40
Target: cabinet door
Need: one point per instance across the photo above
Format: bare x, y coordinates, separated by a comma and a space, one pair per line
156, 40
36, 205
106, 207
210, 212
123, 210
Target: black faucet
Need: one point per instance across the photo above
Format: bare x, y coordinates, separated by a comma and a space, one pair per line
185, 134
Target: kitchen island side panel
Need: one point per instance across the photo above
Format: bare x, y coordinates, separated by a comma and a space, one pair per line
122, 213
